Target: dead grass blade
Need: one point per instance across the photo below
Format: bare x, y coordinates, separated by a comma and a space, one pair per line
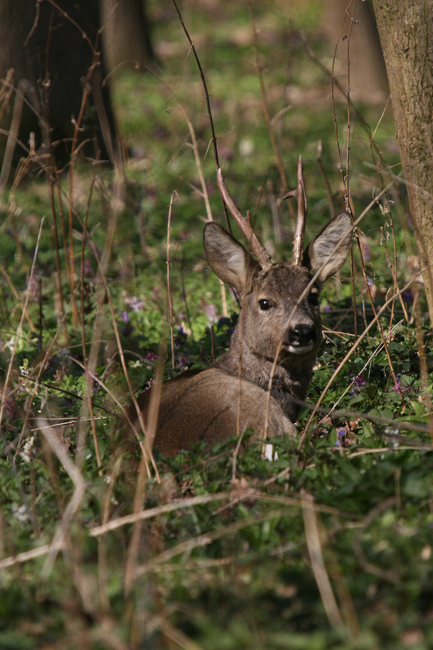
180, 504
31, 555
73, 505
207, 538
175, 635
317, 563
144, 450
342, 363
389, 576
20, 326
16, 296
154, 512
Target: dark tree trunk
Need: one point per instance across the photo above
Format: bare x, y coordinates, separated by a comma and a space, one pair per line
126, 34
53, 52
406, 32
368, 82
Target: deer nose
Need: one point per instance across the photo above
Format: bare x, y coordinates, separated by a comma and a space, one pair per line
302, 335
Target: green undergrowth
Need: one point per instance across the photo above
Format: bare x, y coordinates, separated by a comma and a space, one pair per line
245, 564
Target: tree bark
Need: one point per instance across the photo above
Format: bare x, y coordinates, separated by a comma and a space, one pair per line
406, 33
368, 82
126, 35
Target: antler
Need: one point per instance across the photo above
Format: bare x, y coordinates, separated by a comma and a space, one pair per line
300, 195
244, 223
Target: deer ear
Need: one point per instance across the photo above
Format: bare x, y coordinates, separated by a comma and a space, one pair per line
226, 257
323, 251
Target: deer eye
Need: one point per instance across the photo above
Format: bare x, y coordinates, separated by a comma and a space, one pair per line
313, 298
264, 304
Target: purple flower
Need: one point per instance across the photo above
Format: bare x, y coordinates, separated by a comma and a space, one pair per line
398, 387
135, 304
183, 363
124, 316
358, 380
342, 440
151, 356
211, 313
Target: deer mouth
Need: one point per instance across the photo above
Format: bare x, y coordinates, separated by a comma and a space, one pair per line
299, 348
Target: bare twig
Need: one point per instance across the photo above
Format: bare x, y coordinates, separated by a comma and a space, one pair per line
89, 381
170, 302
325, 178
423, 364
266, 108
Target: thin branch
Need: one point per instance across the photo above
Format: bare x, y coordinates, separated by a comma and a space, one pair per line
211, 122
170, 302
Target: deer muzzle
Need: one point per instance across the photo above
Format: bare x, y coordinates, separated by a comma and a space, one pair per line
301, 339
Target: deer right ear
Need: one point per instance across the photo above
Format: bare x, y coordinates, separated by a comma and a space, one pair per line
328, 251
226, 257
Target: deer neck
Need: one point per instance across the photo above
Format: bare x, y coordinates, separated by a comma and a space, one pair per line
291, 378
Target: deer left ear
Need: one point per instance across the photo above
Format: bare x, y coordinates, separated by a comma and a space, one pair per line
328, 251
226, 257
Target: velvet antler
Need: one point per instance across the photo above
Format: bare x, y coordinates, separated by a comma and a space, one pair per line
245, 224
300, 195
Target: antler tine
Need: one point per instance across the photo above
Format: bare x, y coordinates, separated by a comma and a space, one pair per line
244, 223
301, 197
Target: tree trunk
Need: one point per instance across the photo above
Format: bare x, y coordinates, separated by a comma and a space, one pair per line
126, 35
368, 82
44, 46
406, 33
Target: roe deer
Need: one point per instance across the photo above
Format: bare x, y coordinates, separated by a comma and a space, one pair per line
279, 318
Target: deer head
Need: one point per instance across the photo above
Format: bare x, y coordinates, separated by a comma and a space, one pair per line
280, 301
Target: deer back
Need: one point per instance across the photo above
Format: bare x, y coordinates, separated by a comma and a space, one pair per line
210, 406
